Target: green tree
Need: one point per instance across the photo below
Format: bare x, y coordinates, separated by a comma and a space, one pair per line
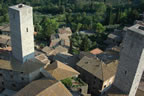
79, 25
67, 82
99, 28
49, 27
86, 44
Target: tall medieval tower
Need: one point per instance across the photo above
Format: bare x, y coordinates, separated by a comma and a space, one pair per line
131, 64
21, 25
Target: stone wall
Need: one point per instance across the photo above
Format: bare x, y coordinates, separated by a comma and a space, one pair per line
21, 25
16, 80
131, 57
94, 84
13, 80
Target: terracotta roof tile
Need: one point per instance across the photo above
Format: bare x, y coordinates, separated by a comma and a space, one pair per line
43, 58
44, 87
96, 51
60, 71
66, 30
48, 50
98, 68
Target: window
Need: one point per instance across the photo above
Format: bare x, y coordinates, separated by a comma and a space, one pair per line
13, 85
21, 72
1, 74
86, 62
80, 90
26, 29
125, 72
94, 82
22, 78
2, 83
105, 86
11, 76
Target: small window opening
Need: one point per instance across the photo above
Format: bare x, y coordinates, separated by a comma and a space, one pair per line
22, 72
26, 29
13, 85
11, 76
80, 90
2, 83
104, 86
125, 72
86, 62
22, 78
1, 74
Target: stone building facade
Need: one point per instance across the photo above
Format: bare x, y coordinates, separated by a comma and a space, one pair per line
20, 67
21, 25
98, 75
131, 64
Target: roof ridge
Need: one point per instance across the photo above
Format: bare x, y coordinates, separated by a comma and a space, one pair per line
68, 68
102, 71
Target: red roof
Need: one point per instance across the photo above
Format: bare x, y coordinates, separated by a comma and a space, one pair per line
96, 51
35, 33
5, 49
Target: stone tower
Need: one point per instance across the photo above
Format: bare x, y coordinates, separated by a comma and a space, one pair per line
21, 25
131, 64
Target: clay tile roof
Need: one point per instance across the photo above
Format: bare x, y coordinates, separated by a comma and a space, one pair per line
1, 27
139, 93
60, 71
54, 42
88, 54
43, 58
61, 49
5, 28
97, 68
96, 51
35, 33
28, 67
3, 41
7, 49
66, 30
48, 50
44, 87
